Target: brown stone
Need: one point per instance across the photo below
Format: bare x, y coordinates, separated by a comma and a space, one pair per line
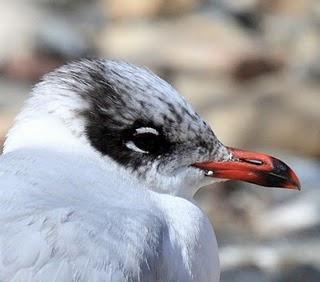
287, 7
29, 67
192, 43
129, 10
255, 66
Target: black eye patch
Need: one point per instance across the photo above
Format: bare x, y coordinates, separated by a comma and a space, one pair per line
148, 142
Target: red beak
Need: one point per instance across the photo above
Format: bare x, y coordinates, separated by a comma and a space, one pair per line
253, 167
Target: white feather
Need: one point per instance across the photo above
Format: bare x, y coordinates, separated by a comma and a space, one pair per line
68, 217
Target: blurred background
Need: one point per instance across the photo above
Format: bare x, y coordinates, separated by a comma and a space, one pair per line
251, 68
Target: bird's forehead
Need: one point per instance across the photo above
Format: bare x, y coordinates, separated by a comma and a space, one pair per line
141, 88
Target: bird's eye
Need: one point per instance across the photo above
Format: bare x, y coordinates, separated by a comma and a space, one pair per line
146, 140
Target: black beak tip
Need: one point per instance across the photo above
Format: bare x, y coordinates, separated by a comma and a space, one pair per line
284, 176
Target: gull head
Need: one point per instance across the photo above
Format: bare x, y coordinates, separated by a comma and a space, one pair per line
137, 123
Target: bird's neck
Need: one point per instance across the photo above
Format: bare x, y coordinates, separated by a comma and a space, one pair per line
44, 131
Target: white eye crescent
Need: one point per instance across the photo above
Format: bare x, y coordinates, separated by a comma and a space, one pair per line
133, 147
142, 130
143, 140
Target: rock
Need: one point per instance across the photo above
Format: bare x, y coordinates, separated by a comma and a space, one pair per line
202, 90
305, 60
249, 273
12, 96
63, 39
46, 39
255, 66
278, 111
274, 257
196, 43
17, 29
308, 273
241, 5
287, 7
65, 4
126, 9
246, 13
129, 10
29, 67
292, 214
292, 31
180, 6
248, 19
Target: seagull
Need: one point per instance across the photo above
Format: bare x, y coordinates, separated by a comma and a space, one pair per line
98, 174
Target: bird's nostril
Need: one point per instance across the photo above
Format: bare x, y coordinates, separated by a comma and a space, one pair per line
253, 161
